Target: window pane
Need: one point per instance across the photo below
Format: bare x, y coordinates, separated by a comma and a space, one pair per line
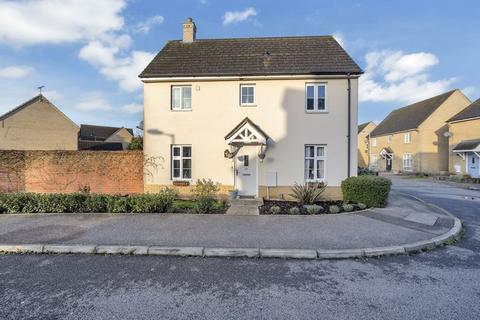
310, 169
245, 161
176, 168
187, 164
321, 91
187, 92
187, 151
176, 151
310, 97
187, 103
309, 151
320, 169
321, 104
320, 151
187, 173
176, 96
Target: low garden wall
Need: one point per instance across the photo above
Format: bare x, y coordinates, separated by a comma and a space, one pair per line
109, 172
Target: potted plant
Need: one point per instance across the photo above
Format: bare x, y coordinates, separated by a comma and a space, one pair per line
232, 194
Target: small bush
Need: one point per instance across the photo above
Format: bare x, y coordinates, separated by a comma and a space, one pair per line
370, 190
294, 210
367, 172
313, 209
205, 188
333, 209
348, 207
308, 193
362, 206
275, 210
205, 204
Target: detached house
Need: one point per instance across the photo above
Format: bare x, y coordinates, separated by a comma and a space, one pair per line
415, 138
93, 137
464, 133
364, 130
254, 114
37, 124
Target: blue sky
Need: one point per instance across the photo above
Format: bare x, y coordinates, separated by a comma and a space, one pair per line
88, 53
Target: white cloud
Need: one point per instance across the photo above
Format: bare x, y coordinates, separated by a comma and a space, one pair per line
469, 91
15, 72
147, 25
340, 38
29, 22
132, 108
93, 101
396, 76
238, 16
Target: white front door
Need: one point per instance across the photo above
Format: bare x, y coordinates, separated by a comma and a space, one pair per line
246, 163
473, 166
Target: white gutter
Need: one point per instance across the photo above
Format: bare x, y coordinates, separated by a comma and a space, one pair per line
230, 78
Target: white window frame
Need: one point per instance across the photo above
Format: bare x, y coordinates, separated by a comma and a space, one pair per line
181, 107
254, 95
389, 138
374, 142
181, 158
374, 161
407, 137
407, 158
315, 97
315, 158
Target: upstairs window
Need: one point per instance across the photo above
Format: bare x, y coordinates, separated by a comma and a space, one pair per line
181, 98
389, 139
316, 94
374, 142
408, 137
247, 94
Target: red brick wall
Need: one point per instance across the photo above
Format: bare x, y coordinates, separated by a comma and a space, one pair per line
113, 172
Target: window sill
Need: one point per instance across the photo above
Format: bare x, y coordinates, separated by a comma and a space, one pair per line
180, 110
248, 105
323, 111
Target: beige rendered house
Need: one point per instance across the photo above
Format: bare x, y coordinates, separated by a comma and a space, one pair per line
254, 114
364, 130
37, 125
415, 138
464, 134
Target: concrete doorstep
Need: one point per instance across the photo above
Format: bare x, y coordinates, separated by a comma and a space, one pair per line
453, 233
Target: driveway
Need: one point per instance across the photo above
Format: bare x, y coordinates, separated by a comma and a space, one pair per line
442, 284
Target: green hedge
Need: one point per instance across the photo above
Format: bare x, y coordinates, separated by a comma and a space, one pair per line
85, 203
370, 190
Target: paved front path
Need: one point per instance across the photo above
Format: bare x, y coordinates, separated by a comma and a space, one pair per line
442, 284
404, 221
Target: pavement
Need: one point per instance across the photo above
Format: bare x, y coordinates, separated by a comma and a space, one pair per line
406, 225
439, 284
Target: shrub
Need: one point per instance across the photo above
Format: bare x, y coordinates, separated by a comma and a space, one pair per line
334, 209
294, 210
308, 193
362, 206
275, 210
367, 172
313, 209
205, 188
348, 207
205, 204
370, 190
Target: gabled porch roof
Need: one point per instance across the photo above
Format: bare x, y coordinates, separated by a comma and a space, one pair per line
246, 133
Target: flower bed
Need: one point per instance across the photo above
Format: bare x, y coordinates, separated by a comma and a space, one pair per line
162, 202
288, 207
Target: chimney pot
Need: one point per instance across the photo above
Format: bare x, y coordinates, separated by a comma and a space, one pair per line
189, 31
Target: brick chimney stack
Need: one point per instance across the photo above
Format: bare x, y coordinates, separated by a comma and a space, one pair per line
189, 31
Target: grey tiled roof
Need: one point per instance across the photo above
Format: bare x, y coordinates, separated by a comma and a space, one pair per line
99, 145
363, 126
472, 111
411, 116
467, 145
98, 133
252, 56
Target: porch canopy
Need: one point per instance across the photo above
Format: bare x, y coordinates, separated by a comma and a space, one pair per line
387, 152
468, 146
246, 133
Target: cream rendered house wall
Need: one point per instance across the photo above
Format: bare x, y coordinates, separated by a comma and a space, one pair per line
461, 130
279, 112
122, 136
38, 126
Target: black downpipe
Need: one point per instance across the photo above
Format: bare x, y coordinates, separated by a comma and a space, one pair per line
349, 123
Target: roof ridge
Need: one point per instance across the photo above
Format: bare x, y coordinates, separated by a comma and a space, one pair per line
255, 38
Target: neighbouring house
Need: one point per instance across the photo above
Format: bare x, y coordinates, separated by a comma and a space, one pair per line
364, 130
414, 138
37, 124
254, 114
464, 134
104, 138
